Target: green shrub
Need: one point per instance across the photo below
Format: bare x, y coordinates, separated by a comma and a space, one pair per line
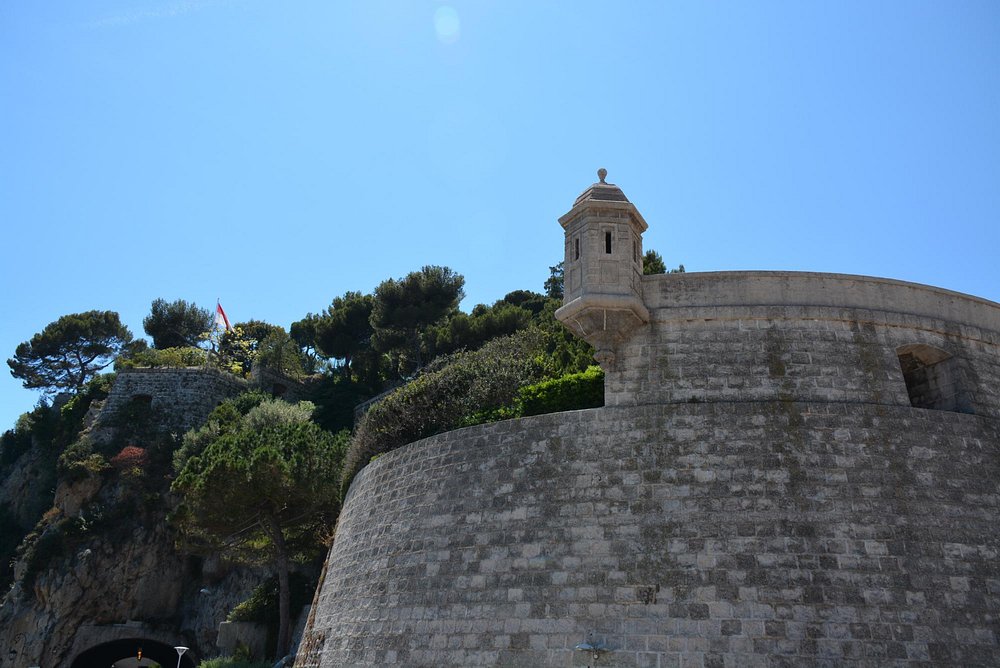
10, 535
262, 605
13, 444
168, 357
275, 412
232, 662
40, 548
436, 401
80, 460
253, 408
570, 392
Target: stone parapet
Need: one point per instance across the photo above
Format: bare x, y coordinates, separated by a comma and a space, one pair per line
752, 336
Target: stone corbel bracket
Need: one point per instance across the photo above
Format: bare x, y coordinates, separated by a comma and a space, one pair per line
605, 322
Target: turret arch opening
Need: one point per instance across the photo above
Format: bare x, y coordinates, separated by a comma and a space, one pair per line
933, 378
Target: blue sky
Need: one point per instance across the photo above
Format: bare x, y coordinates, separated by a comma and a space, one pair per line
275, 155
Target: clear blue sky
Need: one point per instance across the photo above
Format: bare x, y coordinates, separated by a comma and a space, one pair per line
275, 155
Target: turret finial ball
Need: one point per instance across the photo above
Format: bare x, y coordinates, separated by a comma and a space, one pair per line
602, 174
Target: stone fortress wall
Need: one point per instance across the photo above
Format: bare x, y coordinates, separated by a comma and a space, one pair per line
745, 336
791, 469
183, 397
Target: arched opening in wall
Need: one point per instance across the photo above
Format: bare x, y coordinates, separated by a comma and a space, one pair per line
125, 654
142, 399
933, 378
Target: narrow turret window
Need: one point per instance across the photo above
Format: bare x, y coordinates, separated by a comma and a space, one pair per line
607, 242
635, 251
576, 248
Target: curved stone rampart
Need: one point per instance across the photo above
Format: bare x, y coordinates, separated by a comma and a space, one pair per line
756, 533
796, 336
791, 468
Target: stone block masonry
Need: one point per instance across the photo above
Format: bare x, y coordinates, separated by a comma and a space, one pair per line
757, 533
790, 469
752, 336
183, 397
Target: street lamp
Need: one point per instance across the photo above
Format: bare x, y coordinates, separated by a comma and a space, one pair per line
180, 653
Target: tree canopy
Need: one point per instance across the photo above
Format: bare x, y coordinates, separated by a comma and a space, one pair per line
238, 347
70, 351
176, 324
263, 489
345, 331
554, 283
402, 308
652, 263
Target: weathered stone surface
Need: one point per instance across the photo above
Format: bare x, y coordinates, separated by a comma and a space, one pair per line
757, 533
182, 397
751, 336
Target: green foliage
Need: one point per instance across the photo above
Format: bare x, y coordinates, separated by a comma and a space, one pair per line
262, 605
40, 550
80, 460
165, 357
287, 471
237, 351
278, 352
335, 397
278, 413
554, 283
403, 308
50, 430
135, 424
70, 351
53, 538
652, 263
344, 331
564, 353
177, 324
570, 392
304, 333
247, 401
264, 490
439, 400
10, 535
224, 418
14, 443
532, 302
233, 662
678, 270
469, 332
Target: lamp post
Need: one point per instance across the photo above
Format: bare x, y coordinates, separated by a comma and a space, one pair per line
180, 653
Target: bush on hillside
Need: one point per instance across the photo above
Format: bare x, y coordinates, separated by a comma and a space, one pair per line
439, 400
224, 418
570, 392
233, 662
167, 357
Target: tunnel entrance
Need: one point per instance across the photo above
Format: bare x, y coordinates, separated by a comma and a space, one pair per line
125, 653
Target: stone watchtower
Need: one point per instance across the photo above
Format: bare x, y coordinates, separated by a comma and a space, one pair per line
602, 301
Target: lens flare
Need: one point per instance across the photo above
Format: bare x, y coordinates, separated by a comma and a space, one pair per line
446, 24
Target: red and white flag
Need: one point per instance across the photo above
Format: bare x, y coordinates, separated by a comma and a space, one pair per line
220, 318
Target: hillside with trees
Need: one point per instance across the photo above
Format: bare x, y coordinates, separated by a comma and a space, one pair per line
260, 482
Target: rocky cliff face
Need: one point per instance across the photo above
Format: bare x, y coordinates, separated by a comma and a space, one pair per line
103, 552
